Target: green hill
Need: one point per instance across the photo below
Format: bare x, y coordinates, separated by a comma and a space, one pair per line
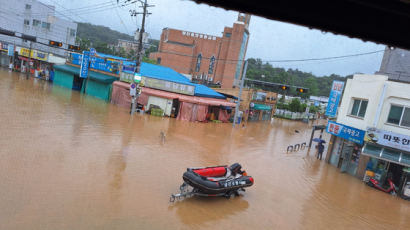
318, 86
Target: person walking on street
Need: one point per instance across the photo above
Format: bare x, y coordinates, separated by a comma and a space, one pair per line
320, 149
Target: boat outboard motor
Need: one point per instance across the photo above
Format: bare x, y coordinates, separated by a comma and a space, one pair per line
235, 168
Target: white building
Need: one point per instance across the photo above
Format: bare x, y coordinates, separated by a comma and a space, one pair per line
32, 17
380, 109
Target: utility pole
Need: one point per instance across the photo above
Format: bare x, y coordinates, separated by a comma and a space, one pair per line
29, 60
138, 62
240, 93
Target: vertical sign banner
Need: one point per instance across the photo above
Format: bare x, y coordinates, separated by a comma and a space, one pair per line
84, 64
10, 51
334, 98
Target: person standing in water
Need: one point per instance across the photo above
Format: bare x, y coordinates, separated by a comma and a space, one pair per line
320, 149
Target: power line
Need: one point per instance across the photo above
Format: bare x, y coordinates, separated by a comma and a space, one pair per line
285, 60
122, 22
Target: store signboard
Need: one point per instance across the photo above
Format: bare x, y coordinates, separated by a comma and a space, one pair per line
334, 98
4, 46
126, 77
85, 62
10, 51
345, 132
389, 139
168, 86
24, 52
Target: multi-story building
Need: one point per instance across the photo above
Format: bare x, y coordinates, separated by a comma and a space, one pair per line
373, 125
127, 45
203, 57
32, 17
396, 64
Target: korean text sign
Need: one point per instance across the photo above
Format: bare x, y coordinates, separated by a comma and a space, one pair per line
386, 138
345, 132
85, 62
334, 98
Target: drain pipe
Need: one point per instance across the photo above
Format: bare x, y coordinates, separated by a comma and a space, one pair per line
379, 106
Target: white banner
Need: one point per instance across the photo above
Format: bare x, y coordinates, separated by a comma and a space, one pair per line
386, 138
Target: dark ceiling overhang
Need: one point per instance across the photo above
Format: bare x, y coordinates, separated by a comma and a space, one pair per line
380, 21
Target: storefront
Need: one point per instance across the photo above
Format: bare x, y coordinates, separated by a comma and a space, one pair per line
96, 84
260, 112
389, 155
345, 146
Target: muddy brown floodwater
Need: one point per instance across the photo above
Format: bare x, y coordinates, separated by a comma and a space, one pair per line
70, 161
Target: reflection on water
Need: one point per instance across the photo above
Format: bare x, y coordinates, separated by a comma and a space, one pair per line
192, 213
70, 161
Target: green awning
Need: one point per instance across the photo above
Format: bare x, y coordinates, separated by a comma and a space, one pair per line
261, 107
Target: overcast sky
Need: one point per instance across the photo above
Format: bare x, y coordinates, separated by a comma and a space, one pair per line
269, 40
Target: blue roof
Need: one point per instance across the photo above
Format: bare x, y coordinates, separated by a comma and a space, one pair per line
111, 56
168, 74
203, 91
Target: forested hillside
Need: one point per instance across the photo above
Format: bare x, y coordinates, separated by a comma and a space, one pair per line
318, 86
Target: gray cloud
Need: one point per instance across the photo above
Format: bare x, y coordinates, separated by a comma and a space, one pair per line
269, 40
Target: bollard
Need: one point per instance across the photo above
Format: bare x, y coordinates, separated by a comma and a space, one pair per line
290, 147
297, 147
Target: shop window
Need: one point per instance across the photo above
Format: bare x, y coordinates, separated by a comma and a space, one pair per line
26, 22
399, 115
372, 150
198, 63
405, 159
391, 155
359, 108
36, 22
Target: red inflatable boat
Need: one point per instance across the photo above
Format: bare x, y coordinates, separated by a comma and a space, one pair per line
214, 181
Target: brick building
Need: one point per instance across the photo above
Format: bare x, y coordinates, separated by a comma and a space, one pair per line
206, 58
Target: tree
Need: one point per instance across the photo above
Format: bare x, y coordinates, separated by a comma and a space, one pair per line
295, 105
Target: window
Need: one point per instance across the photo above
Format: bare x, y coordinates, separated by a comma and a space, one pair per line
28, 7
228, 35
198, 62
26, 22
211, 65
399, 115
359, 108
158, 61
72, 32
45, 25
259, 96
36, 22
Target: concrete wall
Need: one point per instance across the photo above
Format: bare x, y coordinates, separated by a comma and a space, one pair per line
370, 87
13, 14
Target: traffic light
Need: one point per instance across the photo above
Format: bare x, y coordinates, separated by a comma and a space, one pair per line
72, 47
302, 90
284, 87
56, 44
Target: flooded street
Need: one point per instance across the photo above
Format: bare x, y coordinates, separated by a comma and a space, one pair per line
70, 161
